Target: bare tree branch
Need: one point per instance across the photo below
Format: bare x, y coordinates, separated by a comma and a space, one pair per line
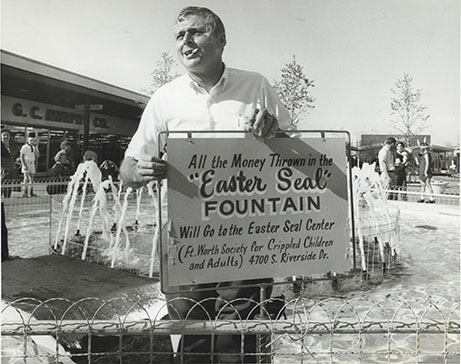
162, 72
293, 90
408, 115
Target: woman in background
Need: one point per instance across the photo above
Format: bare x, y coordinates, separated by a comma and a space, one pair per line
425, 173
401, 162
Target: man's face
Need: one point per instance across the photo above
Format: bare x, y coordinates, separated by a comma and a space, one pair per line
399, 148
196, 46
388, 146
31, 140
5, 137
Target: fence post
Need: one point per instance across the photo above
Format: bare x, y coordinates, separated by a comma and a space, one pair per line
263, 348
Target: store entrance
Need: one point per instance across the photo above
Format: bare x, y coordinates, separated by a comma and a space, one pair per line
106, 146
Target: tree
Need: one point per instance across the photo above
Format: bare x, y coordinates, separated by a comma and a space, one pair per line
293, 90
409, 116
162, 72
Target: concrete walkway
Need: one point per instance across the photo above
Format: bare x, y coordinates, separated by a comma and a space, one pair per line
54, 276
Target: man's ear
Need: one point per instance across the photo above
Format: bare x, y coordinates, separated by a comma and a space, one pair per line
222, 39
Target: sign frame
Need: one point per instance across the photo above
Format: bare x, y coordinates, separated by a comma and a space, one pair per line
163, 243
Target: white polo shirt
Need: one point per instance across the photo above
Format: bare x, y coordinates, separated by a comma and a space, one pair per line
183, 105
386, 157
30, 154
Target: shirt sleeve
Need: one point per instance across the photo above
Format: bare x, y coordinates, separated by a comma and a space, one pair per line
382, 160
150, 126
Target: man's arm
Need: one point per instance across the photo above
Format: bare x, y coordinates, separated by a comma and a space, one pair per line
23, 159
382, 164
37, 155
426, 167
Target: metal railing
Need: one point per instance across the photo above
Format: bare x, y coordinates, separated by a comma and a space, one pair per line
333, 330
413, 194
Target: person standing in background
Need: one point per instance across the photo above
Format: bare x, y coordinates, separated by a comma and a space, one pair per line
402, 161
425, 174
452, 169
387, 166
62, 166
29, 155
89, 155
10, 153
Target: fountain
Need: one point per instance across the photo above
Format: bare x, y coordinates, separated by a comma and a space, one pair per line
376, 221
116, 226
103, 222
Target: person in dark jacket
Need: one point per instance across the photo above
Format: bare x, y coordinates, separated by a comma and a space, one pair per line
10, 153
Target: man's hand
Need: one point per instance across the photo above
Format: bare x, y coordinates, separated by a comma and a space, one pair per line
149, 168
263, 124
386, 180
137, 173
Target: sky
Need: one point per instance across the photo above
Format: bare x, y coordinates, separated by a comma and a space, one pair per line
354, 50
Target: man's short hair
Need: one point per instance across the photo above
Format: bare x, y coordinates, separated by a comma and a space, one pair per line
6, 131
424, 145
217, 26
390, 141
65, 143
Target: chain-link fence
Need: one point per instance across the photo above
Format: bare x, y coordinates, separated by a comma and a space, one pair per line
302, 330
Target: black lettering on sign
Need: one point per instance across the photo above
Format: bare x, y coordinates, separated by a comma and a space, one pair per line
100, 123
34, 114
17, 110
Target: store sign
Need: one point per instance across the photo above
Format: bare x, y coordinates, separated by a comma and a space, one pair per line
22, 111
94, 107
242, 209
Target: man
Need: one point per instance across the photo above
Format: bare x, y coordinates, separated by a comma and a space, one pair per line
210, 96
387, 166
29, 155
10, 152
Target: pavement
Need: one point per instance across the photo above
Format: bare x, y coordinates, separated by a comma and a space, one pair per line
53, 276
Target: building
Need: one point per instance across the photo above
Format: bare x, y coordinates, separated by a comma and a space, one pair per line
370, 139
55, 104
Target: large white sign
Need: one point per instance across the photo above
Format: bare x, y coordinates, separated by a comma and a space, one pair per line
242, 209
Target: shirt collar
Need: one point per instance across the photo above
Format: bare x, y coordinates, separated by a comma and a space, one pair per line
222, 81
225, 77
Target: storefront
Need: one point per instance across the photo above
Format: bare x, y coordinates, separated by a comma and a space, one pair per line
56, 105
